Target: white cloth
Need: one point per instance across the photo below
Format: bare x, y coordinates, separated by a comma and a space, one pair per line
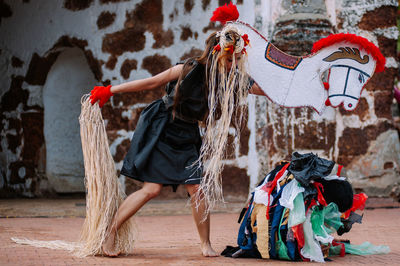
312, 249
289, 193
334, 177
260, 195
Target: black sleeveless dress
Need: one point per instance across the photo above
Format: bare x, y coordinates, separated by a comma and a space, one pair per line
164, 148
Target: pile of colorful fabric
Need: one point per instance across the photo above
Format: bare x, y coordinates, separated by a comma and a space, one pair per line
294, 211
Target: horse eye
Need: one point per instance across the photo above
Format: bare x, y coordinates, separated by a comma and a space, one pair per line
361, 78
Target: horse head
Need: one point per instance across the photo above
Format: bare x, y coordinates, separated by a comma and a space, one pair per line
351, 61
293, 81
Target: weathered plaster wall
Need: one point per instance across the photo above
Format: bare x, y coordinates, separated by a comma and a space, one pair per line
121, 40
61, 103
130, 39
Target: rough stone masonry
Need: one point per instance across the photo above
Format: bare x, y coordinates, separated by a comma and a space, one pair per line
54, 51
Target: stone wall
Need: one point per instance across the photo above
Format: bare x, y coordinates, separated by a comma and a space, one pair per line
374, 164
122, 40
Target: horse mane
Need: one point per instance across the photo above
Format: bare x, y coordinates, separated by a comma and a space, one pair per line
368, 46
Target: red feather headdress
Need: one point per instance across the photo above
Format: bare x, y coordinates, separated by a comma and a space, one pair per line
225, 13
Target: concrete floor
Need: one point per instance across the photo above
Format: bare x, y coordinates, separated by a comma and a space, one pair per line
167, 234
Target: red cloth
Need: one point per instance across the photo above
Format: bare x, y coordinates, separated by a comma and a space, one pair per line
358, 204
271, 185
339, 170
342, 247
320, 189
101, 94
312, 203
298, 234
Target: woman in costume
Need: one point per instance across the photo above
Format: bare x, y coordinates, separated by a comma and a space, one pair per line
167, 148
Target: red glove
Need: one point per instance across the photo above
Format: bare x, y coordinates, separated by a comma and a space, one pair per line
100, 93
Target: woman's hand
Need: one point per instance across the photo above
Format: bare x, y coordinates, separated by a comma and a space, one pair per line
101, 94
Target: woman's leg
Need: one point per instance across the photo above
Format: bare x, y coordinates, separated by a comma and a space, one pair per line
203, 227
128, 208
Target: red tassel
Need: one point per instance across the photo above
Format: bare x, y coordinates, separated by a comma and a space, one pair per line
246, 40
225, 13
327, 102
230, 49
320, 196
217, 48
339, 169
326, 85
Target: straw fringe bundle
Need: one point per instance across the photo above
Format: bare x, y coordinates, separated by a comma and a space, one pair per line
228, 91
104, 192
54, 244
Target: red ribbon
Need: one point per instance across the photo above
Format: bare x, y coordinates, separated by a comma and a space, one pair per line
320, 197
339, 169
246, 40
342, 247
271, 185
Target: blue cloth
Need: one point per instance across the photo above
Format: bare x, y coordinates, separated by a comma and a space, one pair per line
246, 237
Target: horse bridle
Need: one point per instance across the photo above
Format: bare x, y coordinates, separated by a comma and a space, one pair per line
345, 85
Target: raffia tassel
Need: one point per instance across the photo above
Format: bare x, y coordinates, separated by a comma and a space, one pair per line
227, 91
104, 192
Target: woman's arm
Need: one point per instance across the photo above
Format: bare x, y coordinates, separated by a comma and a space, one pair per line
149, 83
255, 89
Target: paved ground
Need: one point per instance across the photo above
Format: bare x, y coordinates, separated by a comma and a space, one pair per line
167, 239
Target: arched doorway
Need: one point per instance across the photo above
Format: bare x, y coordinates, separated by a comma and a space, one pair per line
68, 79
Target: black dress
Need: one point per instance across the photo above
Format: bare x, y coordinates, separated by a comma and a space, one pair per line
164, 148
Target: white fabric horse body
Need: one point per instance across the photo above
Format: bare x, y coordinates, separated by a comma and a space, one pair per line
292, 81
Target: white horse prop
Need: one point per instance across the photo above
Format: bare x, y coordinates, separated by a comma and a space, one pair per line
348, 60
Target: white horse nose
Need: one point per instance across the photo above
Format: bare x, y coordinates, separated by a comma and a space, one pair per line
348, 103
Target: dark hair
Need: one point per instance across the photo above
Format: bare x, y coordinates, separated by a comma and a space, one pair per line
189, 64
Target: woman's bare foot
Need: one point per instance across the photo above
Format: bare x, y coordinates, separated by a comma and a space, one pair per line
208, 251
108, 246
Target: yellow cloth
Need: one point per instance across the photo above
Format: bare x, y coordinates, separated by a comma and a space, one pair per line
259, 215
